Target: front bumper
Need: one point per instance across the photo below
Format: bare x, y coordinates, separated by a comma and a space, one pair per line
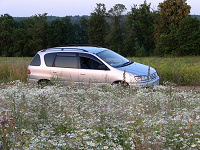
147, 84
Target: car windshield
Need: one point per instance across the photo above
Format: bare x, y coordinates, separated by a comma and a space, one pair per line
114, 59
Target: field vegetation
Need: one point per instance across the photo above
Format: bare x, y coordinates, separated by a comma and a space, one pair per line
101, 116
13, 68
176, 70
98, 117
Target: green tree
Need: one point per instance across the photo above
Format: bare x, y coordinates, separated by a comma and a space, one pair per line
181, 41
61, 32
7, 27
167, 43
140, 31
20, 40
80, 31
97, 26
170, 12
55, 36
68, 30
115, 36
30, 36
188, 35
83, 35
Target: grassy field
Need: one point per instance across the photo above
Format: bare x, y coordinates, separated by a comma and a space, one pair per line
13, 68
98, 117
180, 71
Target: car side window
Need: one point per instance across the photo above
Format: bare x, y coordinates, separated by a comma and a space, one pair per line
66, 60
87, 63
90, 62
49, 59
36, 61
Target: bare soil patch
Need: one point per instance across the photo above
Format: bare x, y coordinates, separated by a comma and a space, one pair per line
189, 88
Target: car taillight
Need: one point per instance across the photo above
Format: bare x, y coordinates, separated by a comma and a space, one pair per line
28, 71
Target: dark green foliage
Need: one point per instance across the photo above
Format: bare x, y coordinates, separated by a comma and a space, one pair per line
81, 31
188, 36
181, 41
167, 43
97, 26
60, 32
28, 35
7, 27
35, 31
175, 32
170, 12
140, 32
115, 37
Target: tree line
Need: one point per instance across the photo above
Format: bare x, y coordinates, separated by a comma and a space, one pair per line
140, 32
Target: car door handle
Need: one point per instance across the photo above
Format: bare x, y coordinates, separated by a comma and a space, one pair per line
54, 72
82, 74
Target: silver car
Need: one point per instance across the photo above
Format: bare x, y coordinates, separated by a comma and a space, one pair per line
79, 64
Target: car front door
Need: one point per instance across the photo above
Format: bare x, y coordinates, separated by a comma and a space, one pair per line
92, 69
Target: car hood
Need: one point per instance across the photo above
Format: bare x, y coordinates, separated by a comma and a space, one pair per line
137, 69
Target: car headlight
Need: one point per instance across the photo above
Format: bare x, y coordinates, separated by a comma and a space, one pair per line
141, 78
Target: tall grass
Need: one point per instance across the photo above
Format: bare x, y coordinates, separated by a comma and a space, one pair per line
180, 70
13, 68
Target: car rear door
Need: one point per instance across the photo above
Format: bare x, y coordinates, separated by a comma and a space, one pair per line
65, 67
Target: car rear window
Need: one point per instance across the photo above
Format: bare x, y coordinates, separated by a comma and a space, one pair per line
36, 61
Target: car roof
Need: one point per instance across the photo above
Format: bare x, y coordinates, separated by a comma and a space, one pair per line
90, 49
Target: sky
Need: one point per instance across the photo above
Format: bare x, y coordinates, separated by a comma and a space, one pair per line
61, 8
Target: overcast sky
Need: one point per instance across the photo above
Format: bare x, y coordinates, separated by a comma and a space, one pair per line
26, 8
